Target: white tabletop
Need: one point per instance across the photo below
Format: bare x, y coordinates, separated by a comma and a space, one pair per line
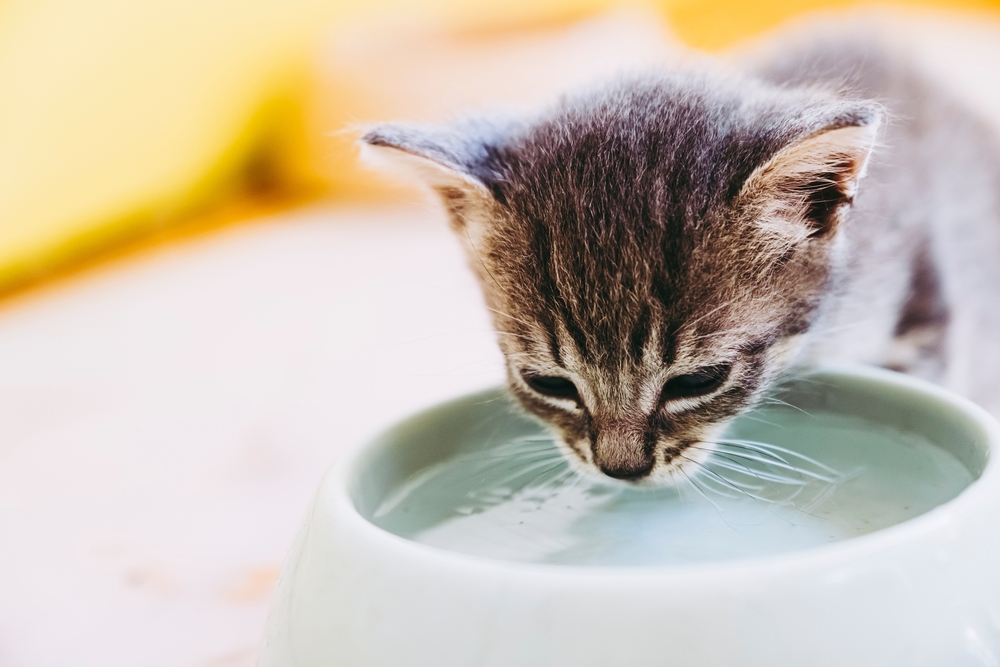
165, 420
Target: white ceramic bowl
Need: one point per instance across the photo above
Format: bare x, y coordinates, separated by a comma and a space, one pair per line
922, 592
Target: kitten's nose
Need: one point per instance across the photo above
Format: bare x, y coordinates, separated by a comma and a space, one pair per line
629, 471
620, 452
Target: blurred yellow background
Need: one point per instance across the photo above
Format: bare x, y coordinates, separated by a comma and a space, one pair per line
120, 119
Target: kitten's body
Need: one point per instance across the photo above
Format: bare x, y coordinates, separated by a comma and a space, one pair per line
922, 286
658, 252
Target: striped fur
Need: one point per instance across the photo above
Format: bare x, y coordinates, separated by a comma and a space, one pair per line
671, 222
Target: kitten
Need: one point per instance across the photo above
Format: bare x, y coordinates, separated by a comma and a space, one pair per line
659, 251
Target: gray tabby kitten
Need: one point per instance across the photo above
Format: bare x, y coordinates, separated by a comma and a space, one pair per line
660, 251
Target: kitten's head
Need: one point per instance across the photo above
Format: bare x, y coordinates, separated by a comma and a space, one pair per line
652, 253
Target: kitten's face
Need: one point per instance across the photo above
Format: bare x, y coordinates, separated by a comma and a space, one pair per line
652, 255
636, 362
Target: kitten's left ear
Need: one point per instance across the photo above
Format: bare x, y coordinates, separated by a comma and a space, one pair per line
457, 161
812, 181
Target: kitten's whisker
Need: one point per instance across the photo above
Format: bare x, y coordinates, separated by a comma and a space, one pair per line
726, 444
784, 450
525, 449
577, 480
695, 321
770, 448
475, 251
770, 458
791, 468
512, 457
830, 487
533, 437
515, 335
818, 500
777, 401
761, 420
766, 502
561, 479
723, 491
751, 492
740, 489
732, 459
538, 442
513, 452
509, 316
738, 467
759, 474
795, 377
705, 496
716, 333
540, 479
672, 474
518, 445
524, 471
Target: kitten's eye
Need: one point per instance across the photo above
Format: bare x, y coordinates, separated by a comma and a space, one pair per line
703, 381
550, 385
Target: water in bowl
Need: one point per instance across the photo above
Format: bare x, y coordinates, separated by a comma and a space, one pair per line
782, 480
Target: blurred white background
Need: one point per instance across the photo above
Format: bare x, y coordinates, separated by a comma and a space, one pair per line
165, 421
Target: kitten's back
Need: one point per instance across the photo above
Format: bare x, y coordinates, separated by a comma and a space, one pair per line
926, 227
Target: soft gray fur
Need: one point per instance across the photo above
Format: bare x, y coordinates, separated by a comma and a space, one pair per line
673, 244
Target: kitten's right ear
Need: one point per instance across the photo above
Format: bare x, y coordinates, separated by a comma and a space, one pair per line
456, 161
803, 190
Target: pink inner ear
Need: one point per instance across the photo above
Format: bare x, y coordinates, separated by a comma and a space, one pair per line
824, 196
816, 177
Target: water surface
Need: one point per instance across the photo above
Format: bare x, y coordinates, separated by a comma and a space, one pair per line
782, 480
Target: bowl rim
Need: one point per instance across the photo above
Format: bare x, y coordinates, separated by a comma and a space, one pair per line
335, 494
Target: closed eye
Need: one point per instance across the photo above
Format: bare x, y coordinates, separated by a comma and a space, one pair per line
553, 386
702, 381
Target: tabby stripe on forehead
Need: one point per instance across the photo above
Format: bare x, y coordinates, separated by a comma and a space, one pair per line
550, 336
640, 334
549, 289
546, 288
668, 330
574, 330
569, 320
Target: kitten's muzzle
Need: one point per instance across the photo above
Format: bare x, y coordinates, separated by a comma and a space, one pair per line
620, 452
